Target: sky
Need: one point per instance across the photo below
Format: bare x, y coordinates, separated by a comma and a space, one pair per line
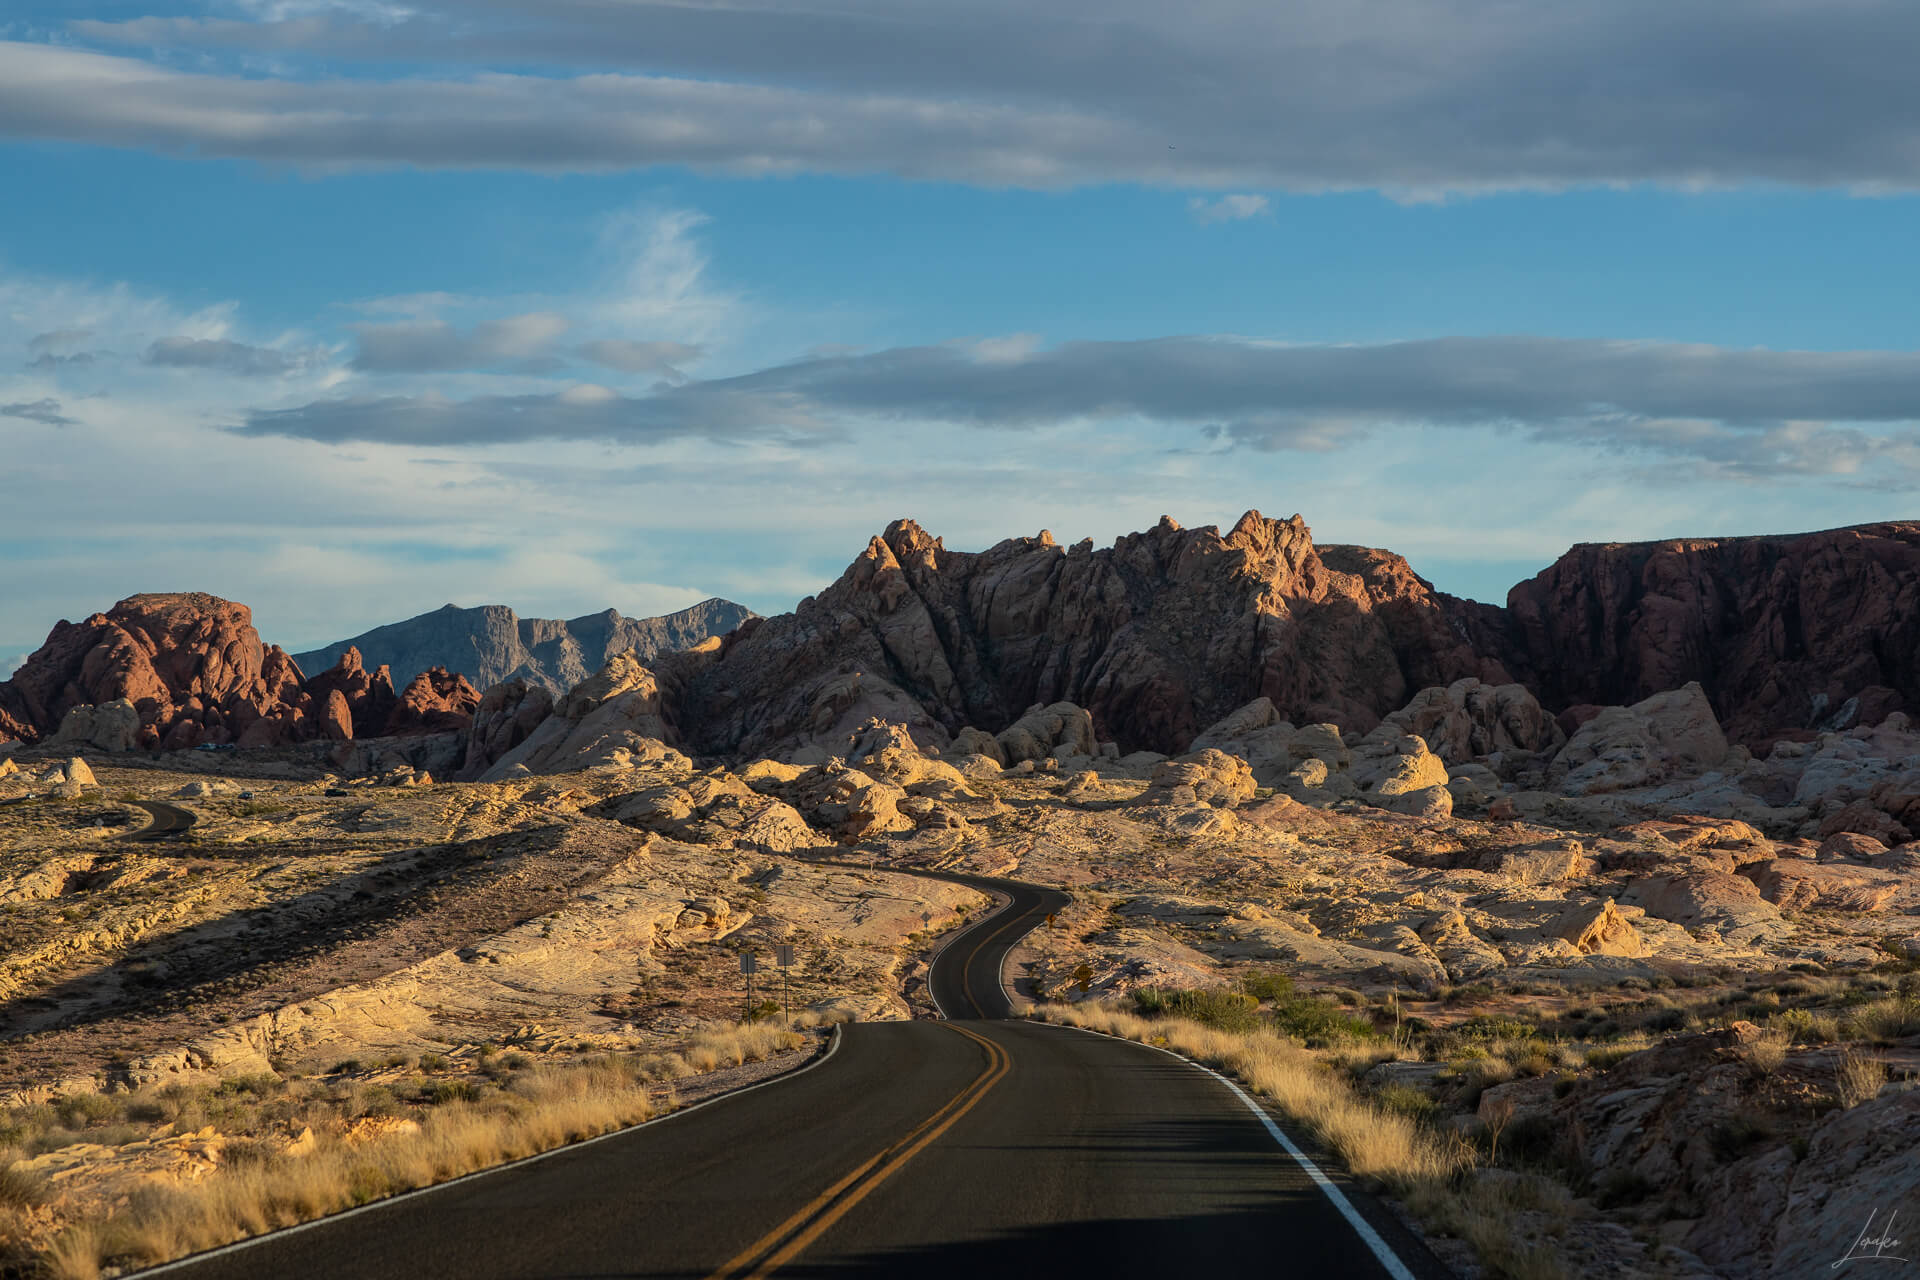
346, 309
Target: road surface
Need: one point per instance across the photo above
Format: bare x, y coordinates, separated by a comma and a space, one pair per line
167, 820
975, 1147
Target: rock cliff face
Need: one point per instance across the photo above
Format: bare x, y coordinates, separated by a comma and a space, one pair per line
1786, 634
1159, 635
491, 644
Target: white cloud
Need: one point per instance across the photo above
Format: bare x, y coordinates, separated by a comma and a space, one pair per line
1228, 208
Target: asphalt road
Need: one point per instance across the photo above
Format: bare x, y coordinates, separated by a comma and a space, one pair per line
972, 1148
168, 819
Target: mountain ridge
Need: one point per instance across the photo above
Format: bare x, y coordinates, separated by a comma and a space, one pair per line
491, 644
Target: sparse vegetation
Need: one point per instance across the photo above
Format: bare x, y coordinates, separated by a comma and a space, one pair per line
366, 1139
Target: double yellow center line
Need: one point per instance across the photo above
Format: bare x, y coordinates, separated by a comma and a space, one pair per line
785, 1242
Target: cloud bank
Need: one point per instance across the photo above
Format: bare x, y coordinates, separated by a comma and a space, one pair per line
1748, 413
1410, 95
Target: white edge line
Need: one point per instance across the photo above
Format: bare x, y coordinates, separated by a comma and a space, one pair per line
1364, 1229
194, 1259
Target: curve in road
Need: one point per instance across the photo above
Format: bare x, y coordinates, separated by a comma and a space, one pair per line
973, 1147
165, 820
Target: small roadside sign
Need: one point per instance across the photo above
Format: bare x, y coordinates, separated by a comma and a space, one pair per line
1083, 978
783, 955
749, 963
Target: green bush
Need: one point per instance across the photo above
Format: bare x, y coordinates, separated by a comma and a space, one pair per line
1268, 985
1317, 1022
1210, 1006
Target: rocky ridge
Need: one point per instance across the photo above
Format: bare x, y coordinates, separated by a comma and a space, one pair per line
492, 644
177, 671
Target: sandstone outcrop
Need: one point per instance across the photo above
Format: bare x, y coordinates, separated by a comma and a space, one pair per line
1205, 777
1670, 733
1155, 637
611, 719
435, 701
1727, 904
185, 670
1785, 633
191, 666
367, 695
1469, 719
113, 726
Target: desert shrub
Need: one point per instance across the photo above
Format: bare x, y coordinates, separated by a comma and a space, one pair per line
1405, 1100
1317, 1022
1269, 986
20, 1189
1766, 1054
1805, 1026
434, 1062
1487, 1027
1886, 1020
1858, 1078
1209, 1006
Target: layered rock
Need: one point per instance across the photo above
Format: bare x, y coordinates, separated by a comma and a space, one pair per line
1784, 633
616, 716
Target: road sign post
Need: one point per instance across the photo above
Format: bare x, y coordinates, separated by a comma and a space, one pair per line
783, 956
749, 965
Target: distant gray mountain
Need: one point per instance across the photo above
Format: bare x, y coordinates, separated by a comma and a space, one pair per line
492, 643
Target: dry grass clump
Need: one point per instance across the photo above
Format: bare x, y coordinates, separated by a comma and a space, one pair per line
1886, 1020
1375, 1142
425, 1131
1767, 1053
1858, 1078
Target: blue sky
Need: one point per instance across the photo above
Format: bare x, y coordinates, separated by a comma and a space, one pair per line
346, 309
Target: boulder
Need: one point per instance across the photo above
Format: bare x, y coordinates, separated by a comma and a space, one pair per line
79, 774
1257, 734
978, 742
1598, 929
847, 804
1469, 719
111, 726
1668, 735
1207, 777
1060, 729
1850, 846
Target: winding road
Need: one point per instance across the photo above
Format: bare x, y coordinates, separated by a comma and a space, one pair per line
167, 820
978, 1147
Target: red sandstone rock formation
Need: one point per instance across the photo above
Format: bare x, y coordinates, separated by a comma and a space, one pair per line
1158, 636
1782, 632
196, 672
436, 701
368, 695
191, 664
